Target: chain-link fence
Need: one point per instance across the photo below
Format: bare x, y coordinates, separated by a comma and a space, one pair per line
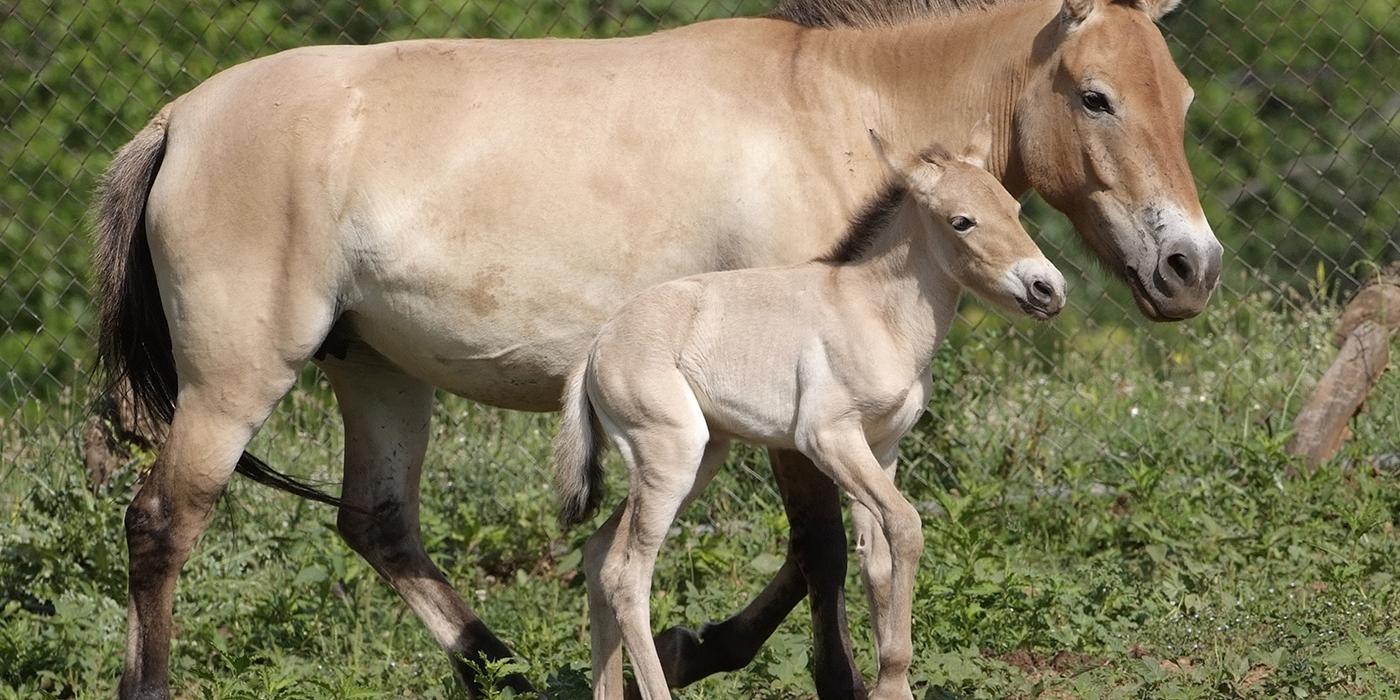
1294, 140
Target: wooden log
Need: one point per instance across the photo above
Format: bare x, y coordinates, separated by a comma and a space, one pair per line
1378, 302
1321, 427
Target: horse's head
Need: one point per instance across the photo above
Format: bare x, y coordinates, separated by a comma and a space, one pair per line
1100, 131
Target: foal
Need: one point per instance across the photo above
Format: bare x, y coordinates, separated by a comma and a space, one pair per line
829, 357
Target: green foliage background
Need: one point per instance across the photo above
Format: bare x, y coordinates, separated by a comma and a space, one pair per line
1294, 136
1098, 485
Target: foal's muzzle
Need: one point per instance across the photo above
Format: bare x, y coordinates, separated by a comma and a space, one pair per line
1043, 289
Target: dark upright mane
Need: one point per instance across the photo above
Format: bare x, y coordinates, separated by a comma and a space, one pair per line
870, 13
872, 218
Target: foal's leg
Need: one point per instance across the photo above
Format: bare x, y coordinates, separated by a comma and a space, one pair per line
815, 566
844, 455
605, 636
874, 550
665, 465
386, 415
673, 656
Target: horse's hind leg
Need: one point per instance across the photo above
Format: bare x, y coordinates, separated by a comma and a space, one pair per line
386, 415
222, 400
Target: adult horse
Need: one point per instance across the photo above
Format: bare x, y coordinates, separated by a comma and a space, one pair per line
464, 214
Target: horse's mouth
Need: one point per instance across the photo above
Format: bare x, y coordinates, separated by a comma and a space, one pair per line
1034, 311
1145, 302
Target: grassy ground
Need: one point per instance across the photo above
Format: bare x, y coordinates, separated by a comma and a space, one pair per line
1108, 514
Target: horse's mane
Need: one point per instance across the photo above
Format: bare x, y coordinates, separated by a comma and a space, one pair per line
871, 13
870, 221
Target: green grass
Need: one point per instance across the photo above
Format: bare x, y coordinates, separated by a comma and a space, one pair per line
1106, 515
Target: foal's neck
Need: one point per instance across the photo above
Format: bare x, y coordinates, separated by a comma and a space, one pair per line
944, 72
901, 275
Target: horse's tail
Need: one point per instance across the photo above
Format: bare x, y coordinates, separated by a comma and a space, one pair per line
578, 452
133, 341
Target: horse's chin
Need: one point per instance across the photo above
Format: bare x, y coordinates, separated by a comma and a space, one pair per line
1146, 304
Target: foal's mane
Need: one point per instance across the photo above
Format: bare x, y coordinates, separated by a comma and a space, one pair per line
873, 13
870, 221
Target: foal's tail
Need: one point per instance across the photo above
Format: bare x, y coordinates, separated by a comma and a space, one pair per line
133, 342
578, 452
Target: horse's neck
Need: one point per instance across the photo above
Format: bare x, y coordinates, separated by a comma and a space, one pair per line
902, 276
942, 75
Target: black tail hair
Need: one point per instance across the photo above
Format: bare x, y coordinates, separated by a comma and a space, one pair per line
133, 336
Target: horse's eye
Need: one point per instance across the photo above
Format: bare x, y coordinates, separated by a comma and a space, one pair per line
1096, 102
962, 224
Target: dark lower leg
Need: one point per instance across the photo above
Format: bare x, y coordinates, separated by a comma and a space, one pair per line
475, 643
387, 417
157, 546
730, 645
389, 540
818, 545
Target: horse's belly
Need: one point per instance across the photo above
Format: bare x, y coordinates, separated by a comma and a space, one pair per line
512, 352
502, 316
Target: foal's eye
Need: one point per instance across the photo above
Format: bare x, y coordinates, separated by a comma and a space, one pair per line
962, 224
1096, 102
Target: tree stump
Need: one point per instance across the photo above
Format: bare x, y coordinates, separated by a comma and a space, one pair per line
1364, 337
1321, 427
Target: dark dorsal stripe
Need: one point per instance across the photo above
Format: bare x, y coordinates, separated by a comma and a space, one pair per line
873, 217
871, 13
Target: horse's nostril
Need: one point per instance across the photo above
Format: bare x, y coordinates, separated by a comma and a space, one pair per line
1181, 266
1043, 290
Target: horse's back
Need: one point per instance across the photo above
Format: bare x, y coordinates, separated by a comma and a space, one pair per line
453, 192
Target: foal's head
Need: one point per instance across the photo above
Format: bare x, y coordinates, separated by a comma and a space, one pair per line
975, 229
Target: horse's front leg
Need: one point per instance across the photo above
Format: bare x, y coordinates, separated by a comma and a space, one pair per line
815, 565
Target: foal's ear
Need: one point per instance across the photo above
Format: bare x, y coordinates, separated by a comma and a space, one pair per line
1076, 11
1157, 9
979, 143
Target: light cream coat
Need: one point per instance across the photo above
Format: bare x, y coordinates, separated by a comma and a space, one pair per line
465, 214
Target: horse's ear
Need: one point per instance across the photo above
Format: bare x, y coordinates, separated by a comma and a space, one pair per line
1076, 11
979, 143
1160, 8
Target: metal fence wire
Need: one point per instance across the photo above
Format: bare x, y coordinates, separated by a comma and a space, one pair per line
1293, 140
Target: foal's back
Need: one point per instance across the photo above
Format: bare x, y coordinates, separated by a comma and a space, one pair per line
734, 337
